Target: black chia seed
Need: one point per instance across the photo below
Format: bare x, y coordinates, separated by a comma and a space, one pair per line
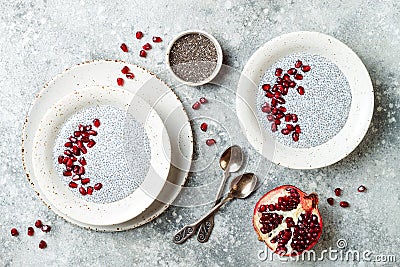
193, 57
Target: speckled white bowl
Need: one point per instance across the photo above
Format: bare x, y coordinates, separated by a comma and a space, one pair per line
360, 114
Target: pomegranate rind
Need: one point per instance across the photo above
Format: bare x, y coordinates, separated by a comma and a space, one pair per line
309, 204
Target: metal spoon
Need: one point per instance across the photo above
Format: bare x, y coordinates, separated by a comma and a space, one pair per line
231, 161
241, 187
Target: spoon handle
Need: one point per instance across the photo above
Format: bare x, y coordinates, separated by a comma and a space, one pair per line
182, 235
207, 226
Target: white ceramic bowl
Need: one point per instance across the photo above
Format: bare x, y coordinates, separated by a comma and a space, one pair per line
219, 59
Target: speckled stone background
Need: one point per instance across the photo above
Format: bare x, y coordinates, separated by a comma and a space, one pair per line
40, 39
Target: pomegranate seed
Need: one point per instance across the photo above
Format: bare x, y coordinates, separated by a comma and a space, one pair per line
124, 47
294, 118
31, 232
285, 84
85, 139
92, 132
292, 84
330, 201
60, 159
90, 190
203, 100
46, 228
157, 39
286, 77
76, 150
196, 105
210, 142
279, 115
81, 127
98, 186
14, 232
285, 91
85, 181
146, 46
344, 204
67, 173
76, 177
96, 123
84, 150
120, 82
292, 71
38, 224
277, 94
73, 159
280, 88
82, 161
266, 108
142, 53
361, 188
274, 88
285, 131
274, 111
306, 68
298, 76
79, 143
42, 244
68, 152
139, 35
274, 128
338, 192
298, 64
204, 127
73, 185
269, 94
130, 75
88, 127
280, 100
295, 137
279, 81
277, 122
81, 170
270, 118
68, 144
288, 117
266, 87
125, 70
290, 127
65, 160
82, 190
297, 129
72, 139
278, 72
91, 143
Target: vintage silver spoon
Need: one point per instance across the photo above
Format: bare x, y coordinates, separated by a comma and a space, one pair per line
241, 187
231, 161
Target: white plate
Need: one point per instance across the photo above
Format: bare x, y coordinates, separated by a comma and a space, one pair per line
360, 113
148, 87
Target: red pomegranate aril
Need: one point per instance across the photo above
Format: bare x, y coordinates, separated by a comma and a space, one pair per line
157, 39
270, 118
81, 127
196, 105
286, 77
142, 53
285, 91
298, 76
120, 82
278, 72
292, 84
344, 204
125, 70
79, 143
88, 127
65, 160
290, 127
306, 68
85, 181
274, 128
83, 149
46, 228
98, 186
76, 151
139, 35
146, 46
42, 244
210, 142
277, 122
67, 173
269, 94
85, 139
72, 139
266, 108
130, 75
280, 88
292, 71
274, 111
73, 159
203, 100
288, 117
82, 190
38, 224
361, 188
69, 169
297, 129
76, 169
81, 170
338, 192
274, 88
204, 127
68, 144
285, 131
298, 64
279, 81
60, 159
279, 115
68, 152
92, 132
89, 190
91, 143
73, 185
330, 201
282, 109
14, 232
280, 100
277, 94
76, 177
82, 161
295, 137
285, 84
124, 47
266, 87
294, 118
96, 123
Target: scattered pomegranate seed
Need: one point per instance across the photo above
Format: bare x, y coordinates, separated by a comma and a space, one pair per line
277, 122
274, 128
73, 185
157, 39
82, 161
82, 190
146, 46
295, 137
278, 72
210, 142
42, 244
67, 173
344, 204
124, 47
85, 181
285, 131
288, 117
98, 186
204, 127
76, 177
72, 139
196, 105
338, 192
38, 224
91, 143
31, 231
361, 188
292, 71
125, 70
300, 90
139, 35
266, 87
14, 232
46, 228
130, 75
306, 68
297, 129
294, 118
270, 118
90, 190
298, 76
292, 84
266, 108
330, 201
68, 144
203, 100
269, 94
290, 127
96, 123
142, 53
298, 64
84, 150
120, 82
60, 159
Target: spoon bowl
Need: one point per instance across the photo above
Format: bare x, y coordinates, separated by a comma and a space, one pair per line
231, 160
242, 186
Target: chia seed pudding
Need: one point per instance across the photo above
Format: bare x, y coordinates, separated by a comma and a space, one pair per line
193, 57
323, 109
110, 162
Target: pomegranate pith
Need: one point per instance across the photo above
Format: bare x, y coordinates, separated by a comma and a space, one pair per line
288, 220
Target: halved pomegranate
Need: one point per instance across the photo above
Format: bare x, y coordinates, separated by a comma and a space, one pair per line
288, 220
